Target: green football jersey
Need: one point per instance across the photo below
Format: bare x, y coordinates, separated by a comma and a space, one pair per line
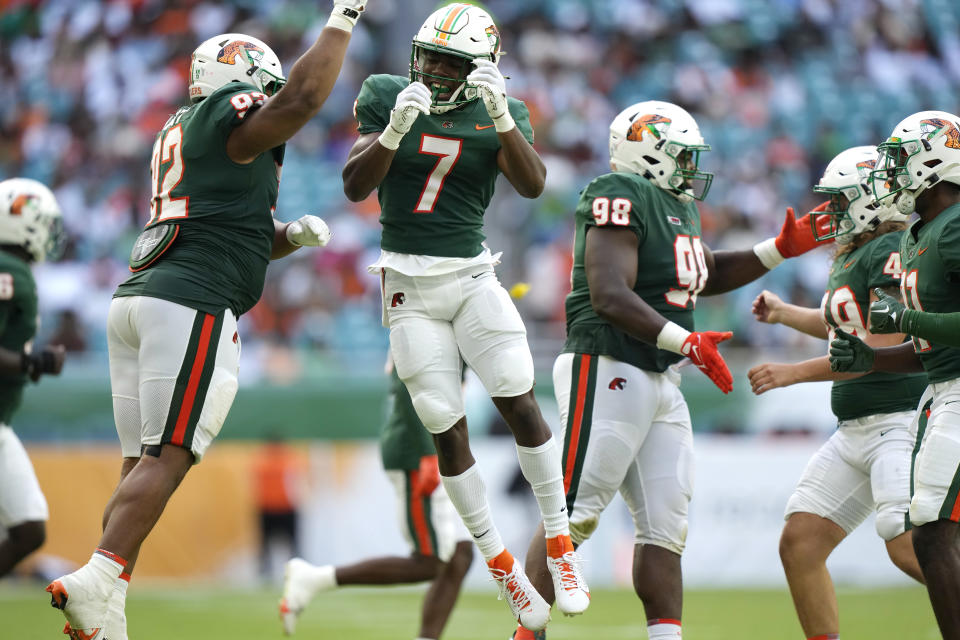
404, 439
846, 305
931, 282
18, 324
671, 268
440, 182
224, 209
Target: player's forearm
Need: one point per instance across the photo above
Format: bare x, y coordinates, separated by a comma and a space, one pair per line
818, 370
281, 244
803, 319
521, 164
313, 75
731, 270
365, 169
939, 328
11, 362
626, 311
899, 359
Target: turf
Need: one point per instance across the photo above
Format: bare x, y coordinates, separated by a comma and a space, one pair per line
196, 613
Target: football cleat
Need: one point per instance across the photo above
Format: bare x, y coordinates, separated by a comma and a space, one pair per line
301, 581
526, 634
84, 608
569, 587
116, 622
528, 607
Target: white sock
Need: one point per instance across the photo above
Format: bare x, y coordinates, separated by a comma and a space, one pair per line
322, 577
541, 467
101, 572
661, 629
468, 494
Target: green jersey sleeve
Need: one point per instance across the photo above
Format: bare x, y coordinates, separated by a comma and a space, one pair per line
613, 200
521, 115
229, 105
884, 261
948, 244
377, 96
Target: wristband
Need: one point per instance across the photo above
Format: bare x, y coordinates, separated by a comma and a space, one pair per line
768, 253
343, 18
390, 138
672, 337
504, 123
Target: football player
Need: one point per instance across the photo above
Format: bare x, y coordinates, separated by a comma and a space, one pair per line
919, 168
30, 232
865, 465
432, 144
441, 551
639, 266
198, 265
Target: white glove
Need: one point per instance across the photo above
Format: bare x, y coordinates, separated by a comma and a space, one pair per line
345, 14
308, 231
493, 91
411, 102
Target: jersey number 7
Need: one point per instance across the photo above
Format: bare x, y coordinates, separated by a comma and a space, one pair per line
447, 151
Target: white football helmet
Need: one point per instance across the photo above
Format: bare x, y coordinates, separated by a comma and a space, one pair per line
661, 142
852, 210
234, 57
460, 30
923, 149
30, 218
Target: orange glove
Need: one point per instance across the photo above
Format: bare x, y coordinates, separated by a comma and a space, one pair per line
796, 236
701, 348
427, 477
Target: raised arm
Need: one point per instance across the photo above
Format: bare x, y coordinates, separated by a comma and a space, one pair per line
309, 83
768, 307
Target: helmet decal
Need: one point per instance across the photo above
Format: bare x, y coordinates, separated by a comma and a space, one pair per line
932, 126
493, 35
248, 50
864, 167
448, 23
20, 203
646, 123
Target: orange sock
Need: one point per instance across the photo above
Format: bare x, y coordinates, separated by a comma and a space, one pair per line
558, 545
504, 562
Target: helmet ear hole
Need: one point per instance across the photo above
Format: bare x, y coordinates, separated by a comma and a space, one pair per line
651, 160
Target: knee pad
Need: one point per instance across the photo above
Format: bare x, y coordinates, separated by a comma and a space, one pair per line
219, 399
581, 530
891, 522
437, 399
510, 372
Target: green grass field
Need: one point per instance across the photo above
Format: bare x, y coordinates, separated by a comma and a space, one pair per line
367, 614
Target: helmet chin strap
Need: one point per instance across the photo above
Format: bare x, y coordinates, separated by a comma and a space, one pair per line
906, 202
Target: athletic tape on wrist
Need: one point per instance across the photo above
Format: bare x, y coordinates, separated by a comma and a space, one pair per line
672, 337
343, 18
390, 138
768, 253
504, 123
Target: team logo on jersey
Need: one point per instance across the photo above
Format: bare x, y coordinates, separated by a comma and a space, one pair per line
20, 203
646, 123
617, 384
933, 126
673, 220
398, 299
446, 124
249, 51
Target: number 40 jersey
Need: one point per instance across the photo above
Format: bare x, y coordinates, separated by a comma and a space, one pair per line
225, 210
671, 268
441, 179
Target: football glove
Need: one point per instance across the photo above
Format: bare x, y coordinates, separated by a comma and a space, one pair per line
411, 102
886, 313
428, 477
701, 348
796, 236
49, 360
492, 88
850, 353
308, 231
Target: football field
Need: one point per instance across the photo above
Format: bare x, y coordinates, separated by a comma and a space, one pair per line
367, 614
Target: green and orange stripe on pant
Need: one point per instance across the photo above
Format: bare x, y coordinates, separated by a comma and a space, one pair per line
583, 384
193, 381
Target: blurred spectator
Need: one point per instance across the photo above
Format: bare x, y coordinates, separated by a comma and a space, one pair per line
279, 474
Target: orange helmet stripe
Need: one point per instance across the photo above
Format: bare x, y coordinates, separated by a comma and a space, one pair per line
455, 12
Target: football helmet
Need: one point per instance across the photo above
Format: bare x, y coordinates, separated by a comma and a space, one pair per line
846, 181
923, 149
30, 218
463, 32
661, 142
234, 57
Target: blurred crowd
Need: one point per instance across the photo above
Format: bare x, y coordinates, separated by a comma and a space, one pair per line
777, 86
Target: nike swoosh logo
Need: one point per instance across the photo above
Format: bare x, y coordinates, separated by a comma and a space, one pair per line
883, 433
481, 535
479, 128
478, 275
696, 352
920, 253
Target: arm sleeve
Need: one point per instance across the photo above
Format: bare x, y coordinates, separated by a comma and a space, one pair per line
612, 201
948, 244
521, 116
939, 328
372, 115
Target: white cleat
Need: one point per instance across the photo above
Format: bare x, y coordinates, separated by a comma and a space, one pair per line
528, 607
301, 581
84, 608
569, 587
116, 623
